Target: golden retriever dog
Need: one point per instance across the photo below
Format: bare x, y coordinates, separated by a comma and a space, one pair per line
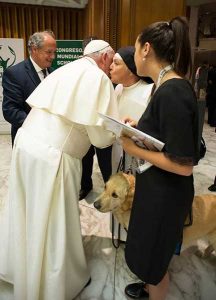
117, 197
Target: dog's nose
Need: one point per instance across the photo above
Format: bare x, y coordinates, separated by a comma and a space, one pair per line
97, 204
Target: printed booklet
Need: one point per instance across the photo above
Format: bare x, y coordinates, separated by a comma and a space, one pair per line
140, 138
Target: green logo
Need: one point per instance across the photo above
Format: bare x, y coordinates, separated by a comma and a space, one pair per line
7, 57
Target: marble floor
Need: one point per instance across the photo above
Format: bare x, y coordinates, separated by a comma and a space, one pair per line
192, 278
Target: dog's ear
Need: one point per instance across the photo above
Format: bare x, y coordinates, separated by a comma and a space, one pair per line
131, 187
131, 181
127, 205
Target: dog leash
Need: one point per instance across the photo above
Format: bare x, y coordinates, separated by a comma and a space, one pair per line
116, 254
116, 246
114, 275
116, 241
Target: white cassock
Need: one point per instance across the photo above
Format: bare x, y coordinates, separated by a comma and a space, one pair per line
44, 257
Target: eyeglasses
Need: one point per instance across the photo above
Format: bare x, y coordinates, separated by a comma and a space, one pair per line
49, 52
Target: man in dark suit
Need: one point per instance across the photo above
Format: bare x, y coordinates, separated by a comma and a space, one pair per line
19, 81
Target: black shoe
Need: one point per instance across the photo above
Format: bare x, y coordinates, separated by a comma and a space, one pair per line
84, 193
87, 284
212, 188
136, 290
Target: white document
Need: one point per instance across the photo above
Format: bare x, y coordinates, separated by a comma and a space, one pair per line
140, 138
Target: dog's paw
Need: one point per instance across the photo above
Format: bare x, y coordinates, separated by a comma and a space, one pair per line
199, 253
206, 253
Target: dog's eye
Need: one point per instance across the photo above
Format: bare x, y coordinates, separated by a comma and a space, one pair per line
114, 195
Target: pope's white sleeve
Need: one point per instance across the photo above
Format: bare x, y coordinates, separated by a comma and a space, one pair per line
99, 137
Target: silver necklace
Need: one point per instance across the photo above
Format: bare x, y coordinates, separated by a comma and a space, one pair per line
161, 75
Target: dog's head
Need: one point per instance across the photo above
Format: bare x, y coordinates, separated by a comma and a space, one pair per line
118, 193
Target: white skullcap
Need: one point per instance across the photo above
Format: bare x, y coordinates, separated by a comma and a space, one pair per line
95, 46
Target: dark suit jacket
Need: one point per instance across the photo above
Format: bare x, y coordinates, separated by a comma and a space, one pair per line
18, 83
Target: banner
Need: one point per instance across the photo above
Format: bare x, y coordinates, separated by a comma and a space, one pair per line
67, 51
11, 53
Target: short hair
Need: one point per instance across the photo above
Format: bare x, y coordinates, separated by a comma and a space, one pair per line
37, 39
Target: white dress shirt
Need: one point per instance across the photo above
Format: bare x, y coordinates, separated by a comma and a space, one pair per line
38, 69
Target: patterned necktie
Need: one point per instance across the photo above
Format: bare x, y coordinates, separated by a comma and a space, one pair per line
44, 73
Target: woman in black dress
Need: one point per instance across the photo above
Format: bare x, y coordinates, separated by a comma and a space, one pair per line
164, 192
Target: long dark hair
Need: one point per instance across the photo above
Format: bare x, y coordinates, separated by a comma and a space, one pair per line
170, 41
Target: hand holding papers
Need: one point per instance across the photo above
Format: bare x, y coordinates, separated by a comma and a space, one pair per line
140, 138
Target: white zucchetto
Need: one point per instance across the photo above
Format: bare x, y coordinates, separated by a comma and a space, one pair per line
95, 46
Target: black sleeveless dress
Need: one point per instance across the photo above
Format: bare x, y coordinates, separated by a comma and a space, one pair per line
162, 199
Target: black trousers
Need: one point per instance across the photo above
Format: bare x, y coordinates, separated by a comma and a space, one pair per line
104, 161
